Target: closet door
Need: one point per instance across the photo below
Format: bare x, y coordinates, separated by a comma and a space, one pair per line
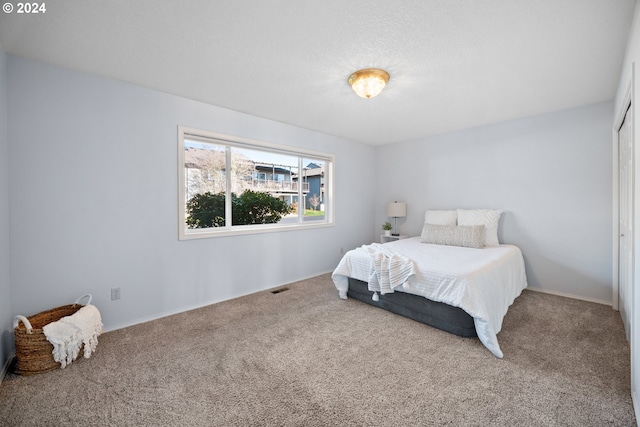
625, 260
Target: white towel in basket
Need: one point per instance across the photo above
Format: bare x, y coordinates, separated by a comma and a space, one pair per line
68, 334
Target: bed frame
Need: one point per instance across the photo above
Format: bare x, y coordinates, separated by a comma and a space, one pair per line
437, 314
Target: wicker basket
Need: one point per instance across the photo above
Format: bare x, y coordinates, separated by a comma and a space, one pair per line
34, 354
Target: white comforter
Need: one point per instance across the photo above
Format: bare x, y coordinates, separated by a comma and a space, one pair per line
483, 282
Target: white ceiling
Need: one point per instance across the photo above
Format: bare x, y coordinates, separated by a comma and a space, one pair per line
454, 64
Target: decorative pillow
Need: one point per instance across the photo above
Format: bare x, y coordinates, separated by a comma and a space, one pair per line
441, 217
466, 236
487, 217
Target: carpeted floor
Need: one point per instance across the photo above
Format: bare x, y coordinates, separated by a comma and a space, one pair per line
304, 357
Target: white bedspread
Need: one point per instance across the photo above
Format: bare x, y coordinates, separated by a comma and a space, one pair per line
483, 282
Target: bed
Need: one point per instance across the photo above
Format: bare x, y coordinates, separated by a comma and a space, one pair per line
464, 287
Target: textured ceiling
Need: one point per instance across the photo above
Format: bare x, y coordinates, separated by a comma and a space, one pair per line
454, 64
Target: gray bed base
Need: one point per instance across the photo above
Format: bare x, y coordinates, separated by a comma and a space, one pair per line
437, 314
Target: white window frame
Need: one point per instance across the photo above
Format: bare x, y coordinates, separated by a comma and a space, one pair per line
193, 134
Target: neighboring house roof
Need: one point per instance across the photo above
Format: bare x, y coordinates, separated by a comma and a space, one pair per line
308, 173
313, 172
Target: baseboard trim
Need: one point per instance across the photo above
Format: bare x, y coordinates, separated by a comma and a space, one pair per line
634, 401
157, 316
562, 294
5, 368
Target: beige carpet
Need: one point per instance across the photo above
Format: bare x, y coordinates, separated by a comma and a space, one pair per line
304, 357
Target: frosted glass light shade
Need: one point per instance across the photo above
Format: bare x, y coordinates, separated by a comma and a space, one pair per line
369, 82
397, 210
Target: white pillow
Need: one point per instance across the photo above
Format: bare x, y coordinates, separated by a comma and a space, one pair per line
441, 217
454, 235
487, 217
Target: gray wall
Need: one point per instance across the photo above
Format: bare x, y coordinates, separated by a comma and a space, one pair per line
6, 335
550, 174
94, 200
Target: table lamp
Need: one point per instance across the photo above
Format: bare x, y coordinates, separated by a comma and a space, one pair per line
396, 210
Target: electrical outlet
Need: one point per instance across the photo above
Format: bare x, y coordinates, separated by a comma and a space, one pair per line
115, 294
341, 251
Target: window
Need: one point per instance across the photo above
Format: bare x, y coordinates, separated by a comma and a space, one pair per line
230, 185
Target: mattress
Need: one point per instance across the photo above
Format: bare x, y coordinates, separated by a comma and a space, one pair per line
482, 282
437, 314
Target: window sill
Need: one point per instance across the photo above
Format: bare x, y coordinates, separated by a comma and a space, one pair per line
205, 233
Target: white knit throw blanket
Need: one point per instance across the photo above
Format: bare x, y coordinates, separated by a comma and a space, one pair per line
390, 269
68, 334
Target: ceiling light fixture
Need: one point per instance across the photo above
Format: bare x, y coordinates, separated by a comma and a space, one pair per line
369, 82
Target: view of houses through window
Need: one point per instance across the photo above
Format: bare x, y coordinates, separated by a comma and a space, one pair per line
227, 184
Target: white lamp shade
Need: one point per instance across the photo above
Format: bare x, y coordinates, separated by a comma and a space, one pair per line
397, 210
